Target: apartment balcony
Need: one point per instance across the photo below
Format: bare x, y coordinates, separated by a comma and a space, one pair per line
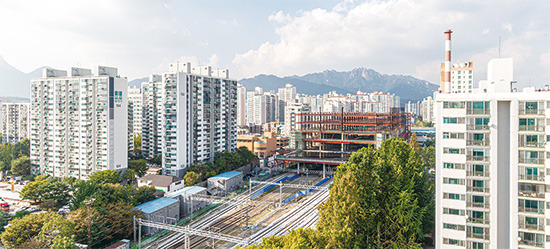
478, 111
477, 173
532, 144
539, 178
531, 128
478, 221
477, 204
478, 127
531, 210
484, 142
531, 111
531, 194
531, 243
537, 227
478, 158
531, 160
478, 236
478, 189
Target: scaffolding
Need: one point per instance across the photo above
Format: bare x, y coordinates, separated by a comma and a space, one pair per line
330, 135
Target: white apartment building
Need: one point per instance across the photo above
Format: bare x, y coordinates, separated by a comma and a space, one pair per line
79, 122
413, 108
135, 108
315, 102
151, 121
286, 95
241, 105
290, 120
14, 122
199, 115
261, 107
462, 76
427, 110
492, 155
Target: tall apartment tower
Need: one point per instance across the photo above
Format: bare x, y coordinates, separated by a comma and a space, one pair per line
286, 96
199, 116
79, 122
462, 74
151, 121
135, 102
14, 122
491, 161
261, 107
241, 105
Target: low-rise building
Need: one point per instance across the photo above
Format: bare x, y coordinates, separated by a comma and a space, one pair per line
225, 183
275, 127
167, 184
264, 145
164, 210
188, 205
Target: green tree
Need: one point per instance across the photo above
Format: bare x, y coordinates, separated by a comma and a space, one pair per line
105, 176
129, 176
22, 148
137, 142
6, 155
21, 214
157, 160
414, 144
42, 227
139, 166
88, 222
299, 239
50, 191
191, 178
21, 166
428, 157
4, 218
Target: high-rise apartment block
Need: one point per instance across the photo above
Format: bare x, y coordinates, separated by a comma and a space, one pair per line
286, 96
79, 122
135, 108
261, 107
492, 155
14, 122
461, 77
241, 105
427, 109
151, 122
199, 116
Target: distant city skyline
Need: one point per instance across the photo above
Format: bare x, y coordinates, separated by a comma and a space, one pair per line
255, 37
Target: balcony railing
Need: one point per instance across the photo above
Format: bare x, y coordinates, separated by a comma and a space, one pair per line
531, 243
531, 128
532, 144
479, 221
531, 194
531, 160
478, 189
477, 158
477, 204
531, 210
478, 111
478, 236
477, 127
531, 177
531, 111
477, 173
523, 225
478, 142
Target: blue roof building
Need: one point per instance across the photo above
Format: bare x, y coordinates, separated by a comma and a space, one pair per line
227, 175
155, 205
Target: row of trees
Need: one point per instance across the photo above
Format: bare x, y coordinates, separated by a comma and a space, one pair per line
14, 158
223, 161
101, 210
379, 199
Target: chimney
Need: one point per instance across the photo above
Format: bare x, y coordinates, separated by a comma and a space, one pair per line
446, 87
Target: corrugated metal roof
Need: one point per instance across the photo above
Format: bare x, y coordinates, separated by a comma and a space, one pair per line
226, 175
188, 190
155, 205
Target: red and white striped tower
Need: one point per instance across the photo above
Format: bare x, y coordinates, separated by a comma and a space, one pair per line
446, 87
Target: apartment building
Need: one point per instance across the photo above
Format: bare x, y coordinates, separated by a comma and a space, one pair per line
241, 105
427, 110
285, 96
151, 121
199, 116
79, 122
261, 107
462, 76
135, 108
14, 122
492, 154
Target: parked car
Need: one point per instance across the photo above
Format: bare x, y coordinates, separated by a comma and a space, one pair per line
32, 209
19, 209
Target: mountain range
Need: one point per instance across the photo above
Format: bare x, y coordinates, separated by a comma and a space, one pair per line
15, 83
358, 79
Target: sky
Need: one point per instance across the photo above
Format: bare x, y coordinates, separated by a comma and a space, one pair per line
280, 37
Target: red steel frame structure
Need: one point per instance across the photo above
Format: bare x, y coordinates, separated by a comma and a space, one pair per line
326, 135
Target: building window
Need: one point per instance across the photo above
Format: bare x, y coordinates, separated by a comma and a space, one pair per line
453, 211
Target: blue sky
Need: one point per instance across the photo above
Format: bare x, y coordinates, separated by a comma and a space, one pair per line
141, 37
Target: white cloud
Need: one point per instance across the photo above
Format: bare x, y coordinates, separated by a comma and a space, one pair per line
402, 36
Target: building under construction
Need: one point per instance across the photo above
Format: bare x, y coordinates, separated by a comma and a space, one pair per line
336, 135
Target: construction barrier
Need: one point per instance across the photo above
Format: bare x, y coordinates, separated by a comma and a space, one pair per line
292, 197
264, 190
